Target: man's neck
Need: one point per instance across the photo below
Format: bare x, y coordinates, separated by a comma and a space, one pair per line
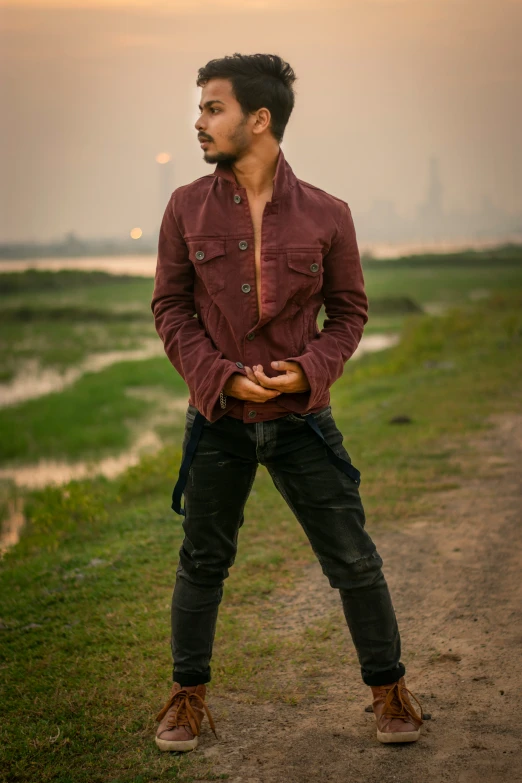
256, 171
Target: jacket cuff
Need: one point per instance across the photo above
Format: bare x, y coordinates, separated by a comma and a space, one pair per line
207, 399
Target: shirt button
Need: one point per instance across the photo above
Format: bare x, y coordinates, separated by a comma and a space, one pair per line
240, 365
243, 245
252, 414
245, 288
251, 336
200, 255
314, 267
237, 199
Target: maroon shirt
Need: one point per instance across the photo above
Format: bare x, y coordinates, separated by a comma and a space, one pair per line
204, 300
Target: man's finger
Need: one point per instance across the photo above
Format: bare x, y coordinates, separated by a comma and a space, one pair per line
251, 386
285, 366
279, 382
251, 376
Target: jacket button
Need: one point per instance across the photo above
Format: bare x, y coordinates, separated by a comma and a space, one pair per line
200, 255
243, 245
237, 199
252, 414
251, 336
245, 288
240, 365
314, 267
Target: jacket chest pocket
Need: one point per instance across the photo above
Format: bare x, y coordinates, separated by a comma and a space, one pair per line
208, 257
305, 273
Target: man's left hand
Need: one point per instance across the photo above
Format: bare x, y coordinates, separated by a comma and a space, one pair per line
292, 379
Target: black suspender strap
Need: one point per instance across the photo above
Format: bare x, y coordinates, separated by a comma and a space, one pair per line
343, 464
195, 433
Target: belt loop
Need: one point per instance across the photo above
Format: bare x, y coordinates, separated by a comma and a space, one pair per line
195, 434
343, 464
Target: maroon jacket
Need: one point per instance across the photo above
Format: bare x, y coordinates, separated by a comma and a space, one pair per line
204, 300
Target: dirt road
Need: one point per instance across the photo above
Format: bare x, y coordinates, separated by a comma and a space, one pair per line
455, 578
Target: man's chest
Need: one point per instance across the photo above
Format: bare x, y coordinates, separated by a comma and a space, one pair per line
256, 207
254, 255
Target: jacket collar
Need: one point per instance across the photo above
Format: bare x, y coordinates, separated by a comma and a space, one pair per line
284, 177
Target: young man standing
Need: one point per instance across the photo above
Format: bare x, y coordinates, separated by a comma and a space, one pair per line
246, 257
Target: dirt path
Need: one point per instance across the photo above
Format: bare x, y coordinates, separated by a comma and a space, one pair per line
456, 583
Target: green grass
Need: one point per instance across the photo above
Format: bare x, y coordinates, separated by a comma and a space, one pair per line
449, 285
85, 595
113, 313
82, 286
108, 310
93, 417
59, 318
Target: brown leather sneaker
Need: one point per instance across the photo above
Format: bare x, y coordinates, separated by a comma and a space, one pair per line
181, 718
397, 721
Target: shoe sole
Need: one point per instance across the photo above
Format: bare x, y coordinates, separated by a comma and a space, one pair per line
388, 737
180, 745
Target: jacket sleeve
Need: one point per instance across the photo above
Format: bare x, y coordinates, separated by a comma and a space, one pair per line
346, 306
187, 345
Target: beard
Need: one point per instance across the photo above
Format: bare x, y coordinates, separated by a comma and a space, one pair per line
239, 142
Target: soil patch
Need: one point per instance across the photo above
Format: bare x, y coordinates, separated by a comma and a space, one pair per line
455, 583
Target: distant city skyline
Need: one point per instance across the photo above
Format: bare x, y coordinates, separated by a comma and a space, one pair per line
432, 221
93, 92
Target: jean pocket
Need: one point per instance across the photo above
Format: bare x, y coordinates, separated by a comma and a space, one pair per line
323, 413
295, 417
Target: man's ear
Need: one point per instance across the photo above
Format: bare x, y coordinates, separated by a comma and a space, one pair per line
262, 122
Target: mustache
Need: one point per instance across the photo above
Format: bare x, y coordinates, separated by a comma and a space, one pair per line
204, 138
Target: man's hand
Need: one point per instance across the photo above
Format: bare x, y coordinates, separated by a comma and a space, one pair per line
244, 389
293, 378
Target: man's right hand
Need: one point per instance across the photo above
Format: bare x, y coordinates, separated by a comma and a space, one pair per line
243, 389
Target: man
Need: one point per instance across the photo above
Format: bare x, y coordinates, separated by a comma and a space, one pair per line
246, 257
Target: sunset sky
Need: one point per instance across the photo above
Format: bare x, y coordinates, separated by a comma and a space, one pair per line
92, 91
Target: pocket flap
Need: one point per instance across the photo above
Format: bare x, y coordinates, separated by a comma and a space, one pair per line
310, 263
203, 250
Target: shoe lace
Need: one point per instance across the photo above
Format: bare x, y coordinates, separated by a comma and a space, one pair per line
398, 705
184, 714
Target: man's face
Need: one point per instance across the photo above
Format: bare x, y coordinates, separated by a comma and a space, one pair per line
221, 125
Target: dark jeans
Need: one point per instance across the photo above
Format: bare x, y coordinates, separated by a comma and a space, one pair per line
327, 504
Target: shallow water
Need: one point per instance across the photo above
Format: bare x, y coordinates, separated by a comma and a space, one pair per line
33, 381
145, 265
45, 472
141, 266
370, 343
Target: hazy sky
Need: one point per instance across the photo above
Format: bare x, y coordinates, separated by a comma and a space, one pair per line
92, 91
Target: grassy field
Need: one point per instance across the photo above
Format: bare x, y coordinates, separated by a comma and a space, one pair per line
36, 321
58, 319
85, 595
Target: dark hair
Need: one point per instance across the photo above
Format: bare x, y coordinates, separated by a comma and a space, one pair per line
258, 81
